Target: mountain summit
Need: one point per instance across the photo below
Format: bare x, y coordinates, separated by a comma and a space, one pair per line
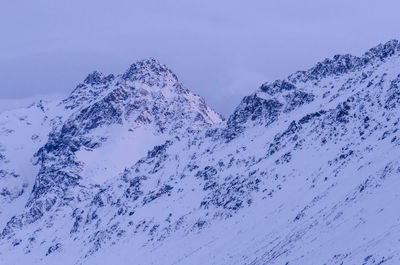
105, 125
151, 72
136, 169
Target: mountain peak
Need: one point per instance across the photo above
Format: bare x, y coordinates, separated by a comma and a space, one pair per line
96, 78
151, 72
93, 77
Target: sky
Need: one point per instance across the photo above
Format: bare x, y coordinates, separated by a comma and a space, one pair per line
222, 50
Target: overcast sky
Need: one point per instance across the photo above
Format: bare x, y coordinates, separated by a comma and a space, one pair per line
222, 50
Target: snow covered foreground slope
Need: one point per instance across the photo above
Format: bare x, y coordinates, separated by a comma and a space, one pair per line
135, 169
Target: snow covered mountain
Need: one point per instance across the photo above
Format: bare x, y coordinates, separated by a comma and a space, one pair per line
136, 169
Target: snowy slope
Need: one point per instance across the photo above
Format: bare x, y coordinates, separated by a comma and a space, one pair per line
22, 132
140, 171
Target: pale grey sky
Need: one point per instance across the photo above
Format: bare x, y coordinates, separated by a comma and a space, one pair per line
222, 50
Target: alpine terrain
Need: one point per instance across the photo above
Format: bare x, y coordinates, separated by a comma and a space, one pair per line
136, 169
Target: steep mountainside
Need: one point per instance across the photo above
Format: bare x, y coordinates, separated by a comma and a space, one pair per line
135, 169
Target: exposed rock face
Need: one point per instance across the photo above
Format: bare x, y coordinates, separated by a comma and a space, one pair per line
135, 168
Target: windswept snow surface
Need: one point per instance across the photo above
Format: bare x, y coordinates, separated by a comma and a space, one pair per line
136, 169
